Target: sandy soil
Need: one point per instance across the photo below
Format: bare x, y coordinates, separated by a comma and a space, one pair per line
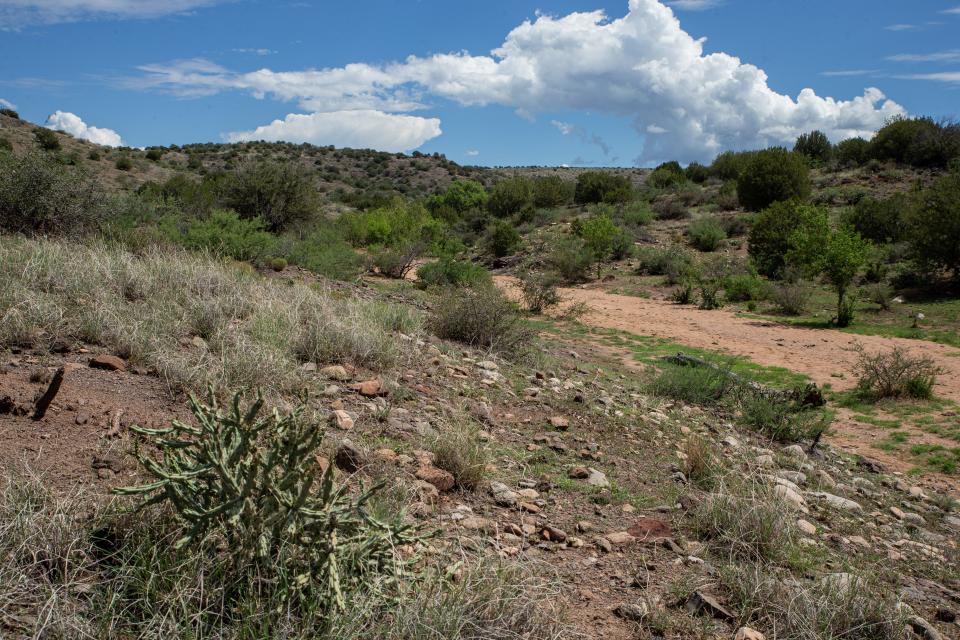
826, 356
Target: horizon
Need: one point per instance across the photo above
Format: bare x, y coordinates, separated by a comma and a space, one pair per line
568, 83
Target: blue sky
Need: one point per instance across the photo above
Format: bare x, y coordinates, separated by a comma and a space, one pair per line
567, 85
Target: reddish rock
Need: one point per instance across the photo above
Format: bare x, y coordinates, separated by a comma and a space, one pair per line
650, 530
108, 362
560, 423
369, 388
442, 480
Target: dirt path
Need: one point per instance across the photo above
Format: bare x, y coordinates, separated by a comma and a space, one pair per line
826, 356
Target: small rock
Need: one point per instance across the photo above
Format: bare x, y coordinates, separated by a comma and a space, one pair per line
579, 473
923, 628
806, 527
341, 419
369, 388
108, 362
82, 418
789, 495
554, 534
746, 633
335, 372
598, 479
560, 423
476, 523
633, 612
487, 365
700, 602
348, 457
795, 451
619, 538
442, 480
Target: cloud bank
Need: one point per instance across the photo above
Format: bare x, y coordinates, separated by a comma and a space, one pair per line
75, 126
16, 14
683, 103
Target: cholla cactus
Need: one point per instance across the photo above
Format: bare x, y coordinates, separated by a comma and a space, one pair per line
257, 483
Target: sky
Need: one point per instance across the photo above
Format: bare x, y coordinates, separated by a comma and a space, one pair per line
488, 82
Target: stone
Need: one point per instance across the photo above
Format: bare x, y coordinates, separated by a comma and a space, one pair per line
598, 479
700, 602
796, 477
503, 495
108, 363
579, 473
369, 388
923, 628
560, 423
746, 633
650, 530
476, 523
635, 612
487, 365
795, 451
335, 372
341, 419
82, 418
426, 491
442, 480
604, 545
789, 495
619, 538
837, 502
348, 457
554, 534
806, 527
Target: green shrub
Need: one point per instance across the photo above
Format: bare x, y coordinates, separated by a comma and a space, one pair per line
10, 113
735, 225
601, 186
815, 146
602, 240
396, 261
324, 251
5, 144
225, 233
895, 374
841, 260
744, 287
792, 296
730, 164
785, 233
450, 272
671, 209
39, 195
155, 154
710, 294
459, 197
501, 239
634, 215
697, 172
123, 163
933, 226
683, 294
94, 155
256, 483
880, 220
510, 196
47, 139
539, 290
773, 175
706, 234
481, 317
666, 176
458, 450
552, 191
281, 194
919, 142
570, 259
674, 262
852, 152
278, 264
781, 420
695, 385
879, 293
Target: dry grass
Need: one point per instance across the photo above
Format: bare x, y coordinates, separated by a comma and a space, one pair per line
458, 449
256, 333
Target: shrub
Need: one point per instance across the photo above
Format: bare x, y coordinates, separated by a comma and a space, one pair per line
895, 374
815, 146
155, 154
94, 155
451, 272
459, 197
700, 464
501, 239
601, 239
397, 261
324, 251
706, 234
933, 226
683, 294
256, 483
634, 215
843, 256
47, 139
278, 264
917, 141
710, 294
601, 186
5, 145
786, 233
781, 420
280, 194
570, 259
703, 385
510, 196
539, 290
39, 195
666, 176
674, 262
10, 113
481, 317
697, 173
879, 293
852, 152
880, 220
730, 164
670, 209
773, 175
744, 287
792, 296
458, 450
123, 163
225, 233
551, 191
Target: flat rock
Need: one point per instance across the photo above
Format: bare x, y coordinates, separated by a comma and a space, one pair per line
598, 479
335, 372
108, 362
341, 419
650, 530
635, 612
746, 633
369, 388
700, 602
442, 480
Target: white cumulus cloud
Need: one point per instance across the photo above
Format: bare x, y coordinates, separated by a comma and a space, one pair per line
643, 67
365, 128
16, 14
75, 126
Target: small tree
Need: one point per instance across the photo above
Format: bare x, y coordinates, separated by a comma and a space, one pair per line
843, 256
852, 152
933, 225
279, 193
599, 238
600, 186
510, 196
502, 239
815, 146
787, 232
551, 191
773, 175
47, 139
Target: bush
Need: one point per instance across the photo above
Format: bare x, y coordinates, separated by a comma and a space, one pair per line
278, 264
570, 259
815, 146
510, 196
458, 450
634, 215
256, 483
47, 139
324, 251
785, 234
460, 196
501, 239
39, 195
880, 220
5, 145
706, 234
852, 152
683, 294
551, 191
600, 186
674, 262
225, 233
781, 420
396, 261
792, 296
280, 194
603, 240
666, 176
10, 113
539, 291
920, 142
730, 164
933, 226
123, 163
895, 374
695, 385
154, 154
742, 288
842, 258
94, 155
670, 209
481, 317
879, 293
450, 272
697, 173
773, 175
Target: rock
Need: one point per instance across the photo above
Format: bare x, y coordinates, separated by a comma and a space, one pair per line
554, 534
598, 479
560, 423
825, 479
633, 612
348, 457
198, 342
796, 477
335, 372
731, 442
795, 451
476, 523
108, 362
765, 461
579, 473
898, 513
923, 628
426, 491
487, 365
387, 455
369, 388
746, 633
82, 418
619, 538
604, 545
502, 494
789, 495
650, 530
442, 480
806, 527
700, 602
341, 419
837, 502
